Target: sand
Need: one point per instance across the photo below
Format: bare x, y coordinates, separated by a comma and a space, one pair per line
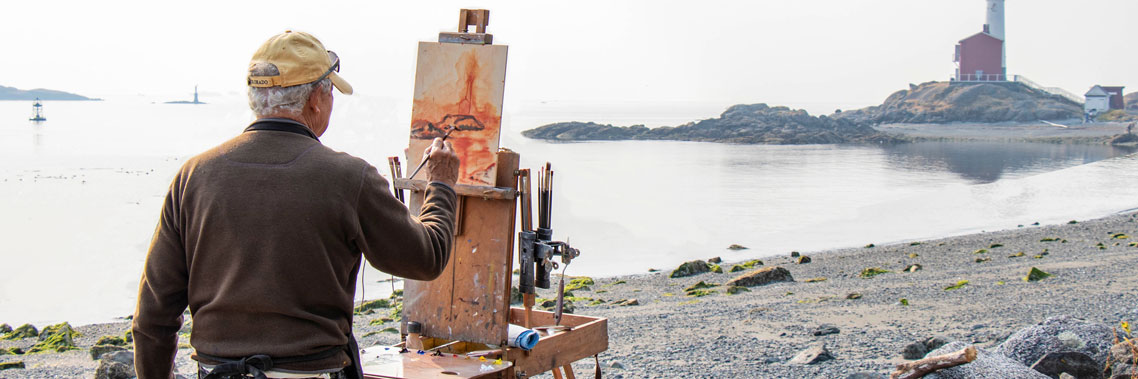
755, 334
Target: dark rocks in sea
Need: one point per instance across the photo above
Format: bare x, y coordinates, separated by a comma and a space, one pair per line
751, 123
988, 102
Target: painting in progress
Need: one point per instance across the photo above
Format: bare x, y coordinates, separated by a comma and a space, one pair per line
460, 86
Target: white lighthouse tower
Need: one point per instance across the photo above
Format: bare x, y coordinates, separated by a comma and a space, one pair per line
995, 28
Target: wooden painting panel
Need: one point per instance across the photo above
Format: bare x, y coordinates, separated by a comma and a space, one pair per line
460, 86
470, 300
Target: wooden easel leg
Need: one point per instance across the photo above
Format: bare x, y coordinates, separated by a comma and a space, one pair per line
557, 373
569, 372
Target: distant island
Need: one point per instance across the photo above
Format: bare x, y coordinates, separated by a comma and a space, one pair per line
927, 103
12, 93
754, 123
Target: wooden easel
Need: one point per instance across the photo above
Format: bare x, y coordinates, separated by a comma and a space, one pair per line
465, 313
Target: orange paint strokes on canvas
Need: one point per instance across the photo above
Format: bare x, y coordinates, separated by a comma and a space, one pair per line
471, 95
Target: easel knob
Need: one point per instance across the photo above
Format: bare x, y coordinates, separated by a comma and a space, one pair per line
478, 18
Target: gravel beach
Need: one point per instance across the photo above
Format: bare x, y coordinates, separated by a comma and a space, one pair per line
756, 333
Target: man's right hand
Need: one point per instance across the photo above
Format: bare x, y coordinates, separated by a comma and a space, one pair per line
443, 166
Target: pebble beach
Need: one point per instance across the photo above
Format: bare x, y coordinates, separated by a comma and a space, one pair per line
968, 288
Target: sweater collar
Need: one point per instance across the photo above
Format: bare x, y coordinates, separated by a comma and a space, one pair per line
282, 125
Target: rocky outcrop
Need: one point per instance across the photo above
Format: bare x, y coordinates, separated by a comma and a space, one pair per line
753, 123
1131, 100
943, 102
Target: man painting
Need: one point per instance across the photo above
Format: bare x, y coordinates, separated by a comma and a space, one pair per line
261, 237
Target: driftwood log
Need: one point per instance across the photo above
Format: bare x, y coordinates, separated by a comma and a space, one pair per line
920, 368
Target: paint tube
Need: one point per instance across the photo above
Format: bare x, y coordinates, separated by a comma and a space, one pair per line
523, 338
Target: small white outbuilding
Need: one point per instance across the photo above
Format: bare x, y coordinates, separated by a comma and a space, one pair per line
1098, 100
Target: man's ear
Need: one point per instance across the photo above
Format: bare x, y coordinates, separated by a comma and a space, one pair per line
312, 99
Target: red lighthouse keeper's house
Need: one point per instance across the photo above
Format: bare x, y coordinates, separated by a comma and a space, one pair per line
981, 57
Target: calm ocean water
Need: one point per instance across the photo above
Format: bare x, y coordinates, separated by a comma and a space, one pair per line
81, 192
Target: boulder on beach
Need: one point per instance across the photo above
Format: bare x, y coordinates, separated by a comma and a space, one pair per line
762, 276
690, 268
5, 328
97, 351
986, 365
1122, 362
1076, 364
24, 331
1059, 334
813, 354
116, 365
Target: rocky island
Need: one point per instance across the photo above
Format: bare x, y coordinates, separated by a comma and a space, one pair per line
754, 123
12, 93
928, 103
986, 102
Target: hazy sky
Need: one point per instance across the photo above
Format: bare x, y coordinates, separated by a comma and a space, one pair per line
803, 53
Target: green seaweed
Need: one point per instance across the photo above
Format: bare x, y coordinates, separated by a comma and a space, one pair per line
872, 272
995, 245
24, 331
369, 307
816, 280
700, 285
746, 265
54, 343
11, 365
733, 290
700, 293
580, 283
1120, 236
870, 246
904, 302
914, 244
1049, 239
958, 285
980, 251
1035, 275
111, 340
1016, 255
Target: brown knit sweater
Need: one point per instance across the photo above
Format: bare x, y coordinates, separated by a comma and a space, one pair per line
261, 238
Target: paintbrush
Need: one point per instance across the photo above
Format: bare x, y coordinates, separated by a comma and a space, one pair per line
424, 163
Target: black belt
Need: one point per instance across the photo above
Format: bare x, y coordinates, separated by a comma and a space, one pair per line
203, 374
254, 366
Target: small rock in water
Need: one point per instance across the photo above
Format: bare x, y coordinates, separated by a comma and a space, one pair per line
736, 246
813, 354
1079, 365
794, 254
915, 350
826, 329
715, 260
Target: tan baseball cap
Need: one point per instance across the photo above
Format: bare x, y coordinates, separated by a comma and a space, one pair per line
301, 59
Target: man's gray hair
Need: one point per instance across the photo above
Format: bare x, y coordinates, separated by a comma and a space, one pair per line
288, 101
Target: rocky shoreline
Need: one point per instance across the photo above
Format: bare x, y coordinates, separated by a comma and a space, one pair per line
868, 306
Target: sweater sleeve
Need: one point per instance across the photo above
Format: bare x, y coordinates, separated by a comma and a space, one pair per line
398, 242
161, 296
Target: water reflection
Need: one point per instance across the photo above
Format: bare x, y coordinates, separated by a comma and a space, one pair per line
987, 162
